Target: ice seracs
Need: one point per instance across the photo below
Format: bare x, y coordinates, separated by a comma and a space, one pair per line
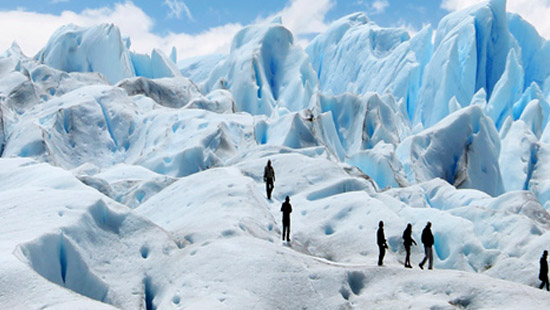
264, 70
390, 61
96, 49
507, 91
469, 53
157, 65
469, 161
102, 49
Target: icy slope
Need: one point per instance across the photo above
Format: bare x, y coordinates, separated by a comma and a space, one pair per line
91, 124
68, 240
214, 259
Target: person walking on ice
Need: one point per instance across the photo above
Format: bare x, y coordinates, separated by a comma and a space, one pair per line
543, 274
428, 241
407, 242
269, 179
286, 208
381, 241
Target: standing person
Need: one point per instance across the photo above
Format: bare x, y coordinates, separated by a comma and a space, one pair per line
269, 179
428, 241
381, 241
286, 208
407, 242
543, 275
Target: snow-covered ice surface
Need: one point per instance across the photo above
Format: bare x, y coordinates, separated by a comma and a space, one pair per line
136, 181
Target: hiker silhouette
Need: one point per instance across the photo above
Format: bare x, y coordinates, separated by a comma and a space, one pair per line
543, 274
407, 242
286, 208
428, 241
269, 179
381, 241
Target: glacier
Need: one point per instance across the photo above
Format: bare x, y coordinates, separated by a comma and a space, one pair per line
135, 181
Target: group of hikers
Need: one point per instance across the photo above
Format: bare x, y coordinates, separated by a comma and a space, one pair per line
427, 236
408, 241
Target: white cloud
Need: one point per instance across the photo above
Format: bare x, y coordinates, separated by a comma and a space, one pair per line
304, 16
374, 8
410, 28
176, 8
535, 12
453, 5
32, 30
379, 6
214, 40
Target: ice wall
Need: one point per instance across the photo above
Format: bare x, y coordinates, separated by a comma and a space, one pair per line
95, 49
199, 68
363, 121
469, 53
389, 60
462, 149
156, 65
102, 49
535, 50
264, 70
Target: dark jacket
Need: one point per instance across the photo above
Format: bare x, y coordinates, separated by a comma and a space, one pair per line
407, 238
427, 237
543, 275
269, 173
380, 238
286, 208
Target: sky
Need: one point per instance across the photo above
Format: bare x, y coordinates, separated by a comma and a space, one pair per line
201, 27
